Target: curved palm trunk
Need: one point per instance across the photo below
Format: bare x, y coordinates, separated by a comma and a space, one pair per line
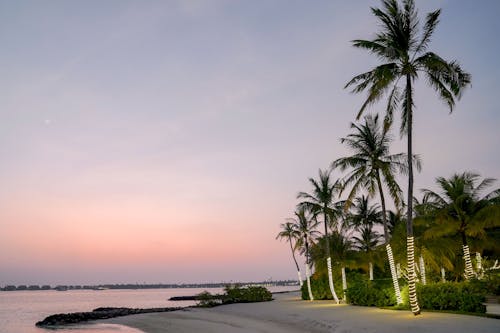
329, 260
390, 257
308, 272
469, 271
295, 260
412, 290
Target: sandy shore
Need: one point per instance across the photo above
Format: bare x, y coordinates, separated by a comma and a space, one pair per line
287, 313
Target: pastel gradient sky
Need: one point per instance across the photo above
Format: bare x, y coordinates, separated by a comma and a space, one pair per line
165, 141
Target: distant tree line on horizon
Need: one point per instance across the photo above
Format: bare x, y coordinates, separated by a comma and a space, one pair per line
148, 285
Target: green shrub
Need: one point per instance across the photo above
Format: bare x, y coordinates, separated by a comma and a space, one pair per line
452, 296
490, 284
207, 300
320, 287
237, 294
370, 293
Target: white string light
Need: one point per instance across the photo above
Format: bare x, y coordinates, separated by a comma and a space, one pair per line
330, 279
309, 283
422, 270
411, 277
394, 274
479, 265
344, 282
469, 272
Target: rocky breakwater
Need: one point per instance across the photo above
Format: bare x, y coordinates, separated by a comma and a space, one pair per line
99, 313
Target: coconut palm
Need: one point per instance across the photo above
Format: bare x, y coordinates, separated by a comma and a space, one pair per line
372, 166
322, 201
363, 218
461, 209
305, 225
439, 253
342, 249
290, 233
403, 46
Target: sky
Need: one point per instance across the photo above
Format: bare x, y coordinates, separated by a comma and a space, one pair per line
165, 141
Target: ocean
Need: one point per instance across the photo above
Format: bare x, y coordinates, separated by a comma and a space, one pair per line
20, 310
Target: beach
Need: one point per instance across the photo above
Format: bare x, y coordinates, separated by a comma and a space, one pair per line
288, 313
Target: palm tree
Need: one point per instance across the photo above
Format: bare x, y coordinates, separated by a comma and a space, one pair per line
363, 218
459, 209
321, 201
404, 49
342, 248
439, 252
305, 226
290, 232
371, 166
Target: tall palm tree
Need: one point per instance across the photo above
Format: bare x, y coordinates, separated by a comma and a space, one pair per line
322, 201
372, 166
290, 232
363, 218
461, 209
404, 48
305, 225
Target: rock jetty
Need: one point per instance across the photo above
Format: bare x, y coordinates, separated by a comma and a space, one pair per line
99, 313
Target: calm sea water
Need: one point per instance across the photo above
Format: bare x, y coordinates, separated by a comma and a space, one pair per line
20, 310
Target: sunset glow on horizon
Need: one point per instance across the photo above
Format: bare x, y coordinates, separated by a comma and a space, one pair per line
166, 141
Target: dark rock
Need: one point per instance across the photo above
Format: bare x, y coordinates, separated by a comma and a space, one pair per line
99, 313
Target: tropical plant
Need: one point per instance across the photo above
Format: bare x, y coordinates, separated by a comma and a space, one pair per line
363, 218
372, 166
322, 201
305, 225
290, 233
342, 249
459, 208
404, 48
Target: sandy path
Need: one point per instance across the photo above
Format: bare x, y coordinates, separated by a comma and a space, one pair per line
287, 313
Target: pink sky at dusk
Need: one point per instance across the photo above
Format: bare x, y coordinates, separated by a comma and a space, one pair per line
165, 142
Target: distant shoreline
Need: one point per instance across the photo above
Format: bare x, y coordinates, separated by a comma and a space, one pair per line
147, 286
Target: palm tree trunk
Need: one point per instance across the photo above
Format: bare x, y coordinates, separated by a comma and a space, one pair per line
295, 260
394, 274
422, 270
443, 275
308, 272
409, 217
344, 283
370, 268
469, 271
329, 259
479, 266
388, 248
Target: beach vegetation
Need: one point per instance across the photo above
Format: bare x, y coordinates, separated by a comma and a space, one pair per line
321, 201
452, 296
289, 231
402, 45
306, 225
373, 168
235, 293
